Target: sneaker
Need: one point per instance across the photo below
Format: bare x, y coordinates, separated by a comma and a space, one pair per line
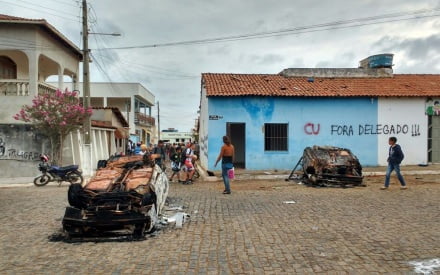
226, 192
403, 188
189, 182
383, 188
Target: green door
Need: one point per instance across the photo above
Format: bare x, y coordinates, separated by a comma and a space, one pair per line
434, 139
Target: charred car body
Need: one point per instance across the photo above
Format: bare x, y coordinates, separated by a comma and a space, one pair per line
126, 196
328, 166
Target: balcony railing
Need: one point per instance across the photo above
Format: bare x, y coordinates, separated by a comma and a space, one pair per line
14, 87
143, 120
17, 87
46, 88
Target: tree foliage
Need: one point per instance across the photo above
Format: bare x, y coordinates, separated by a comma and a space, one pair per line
55, 115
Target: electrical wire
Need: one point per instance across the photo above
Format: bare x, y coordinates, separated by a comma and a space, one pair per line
45, 12
168, 75
340, 24
66, 3
47, 8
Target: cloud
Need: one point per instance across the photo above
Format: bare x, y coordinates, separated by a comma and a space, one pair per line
413, 55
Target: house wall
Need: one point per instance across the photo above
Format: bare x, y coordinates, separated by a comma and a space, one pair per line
408, 117
344, 122
203, 130
20, 149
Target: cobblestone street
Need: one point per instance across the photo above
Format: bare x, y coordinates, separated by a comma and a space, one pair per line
326, 230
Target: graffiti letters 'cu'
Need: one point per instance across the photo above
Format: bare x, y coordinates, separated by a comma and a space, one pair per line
312, 129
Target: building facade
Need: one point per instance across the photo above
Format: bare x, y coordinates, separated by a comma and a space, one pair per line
272, 118
30, 52
132, 99
176, 137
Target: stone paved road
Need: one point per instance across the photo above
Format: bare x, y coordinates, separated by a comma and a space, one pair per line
331, 231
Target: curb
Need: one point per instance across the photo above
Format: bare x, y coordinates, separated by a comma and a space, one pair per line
285, 176
27, 182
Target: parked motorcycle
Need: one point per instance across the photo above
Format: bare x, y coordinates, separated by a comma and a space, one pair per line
55, 173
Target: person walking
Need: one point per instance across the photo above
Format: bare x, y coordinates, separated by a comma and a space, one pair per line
176, 164
227, 154
159, 150
395, 157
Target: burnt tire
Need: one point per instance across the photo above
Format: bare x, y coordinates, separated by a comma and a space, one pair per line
74, 195
41, 180
149, 199
75, 177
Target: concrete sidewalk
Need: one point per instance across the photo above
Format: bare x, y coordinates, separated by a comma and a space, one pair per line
242, 174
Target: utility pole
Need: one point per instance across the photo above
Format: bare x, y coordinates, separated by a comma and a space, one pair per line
87, 127
158, 122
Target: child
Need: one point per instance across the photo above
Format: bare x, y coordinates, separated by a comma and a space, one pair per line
176, 163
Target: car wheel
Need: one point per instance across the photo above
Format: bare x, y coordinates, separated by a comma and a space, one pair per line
74, 195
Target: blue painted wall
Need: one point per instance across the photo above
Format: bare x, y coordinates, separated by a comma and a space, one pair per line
311, 121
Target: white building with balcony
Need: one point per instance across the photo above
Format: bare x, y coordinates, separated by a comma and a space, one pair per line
31, 50
132, 99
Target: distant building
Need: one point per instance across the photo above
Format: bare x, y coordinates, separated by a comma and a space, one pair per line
134, 102
271, 118
176, 137
170, 130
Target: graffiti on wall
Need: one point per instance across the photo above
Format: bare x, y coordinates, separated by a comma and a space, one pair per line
433, 107
2, 147
203, 143
21, 142
375, 129
365, 129
312, 128
14, 153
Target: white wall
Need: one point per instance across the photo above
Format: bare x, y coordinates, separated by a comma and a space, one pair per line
409, 115
203, 131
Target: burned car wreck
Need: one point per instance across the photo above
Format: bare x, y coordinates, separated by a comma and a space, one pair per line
328, 166
125, 197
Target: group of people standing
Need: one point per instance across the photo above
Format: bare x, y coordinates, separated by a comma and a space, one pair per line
183, 160
181, 156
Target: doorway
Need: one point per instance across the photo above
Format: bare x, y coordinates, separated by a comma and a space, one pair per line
434, 139
237, 134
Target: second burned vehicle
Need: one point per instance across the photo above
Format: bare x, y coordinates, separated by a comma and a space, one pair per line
125, 197
328, 166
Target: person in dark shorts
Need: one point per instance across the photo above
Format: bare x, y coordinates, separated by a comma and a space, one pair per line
227, 153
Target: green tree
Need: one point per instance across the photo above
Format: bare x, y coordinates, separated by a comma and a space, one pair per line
55, 115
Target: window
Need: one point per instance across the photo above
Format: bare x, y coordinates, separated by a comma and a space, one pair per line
275, 136
8, 69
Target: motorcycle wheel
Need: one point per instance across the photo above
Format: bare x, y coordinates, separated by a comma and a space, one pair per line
41, 180
75, 177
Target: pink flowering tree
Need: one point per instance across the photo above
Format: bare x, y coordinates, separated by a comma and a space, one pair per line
55, 115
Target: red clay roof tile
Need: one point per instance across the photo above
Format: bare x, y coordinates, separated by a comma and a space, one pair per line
400, 85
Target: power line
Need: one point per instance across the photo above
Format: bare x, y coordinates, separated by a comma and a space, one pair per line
47, 8
340, 24
45, 12
68, 3
169, 75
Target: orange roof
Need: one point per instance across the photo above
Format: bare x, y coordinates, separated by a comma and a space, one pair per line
8, 19
401, 85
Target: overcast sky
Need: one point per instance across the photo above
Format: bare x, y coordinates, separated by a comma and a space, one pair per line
172, 73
